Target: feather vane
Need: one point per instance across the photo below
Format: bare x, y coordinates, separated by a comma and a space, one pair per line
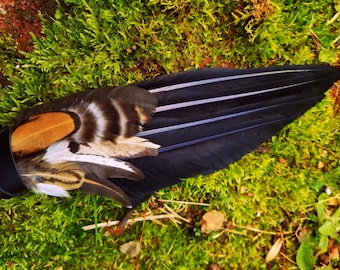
41, 131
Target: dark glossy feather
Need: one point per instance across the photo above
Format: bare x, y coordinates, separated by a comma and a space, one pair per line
209, 118
205, 120
105, 188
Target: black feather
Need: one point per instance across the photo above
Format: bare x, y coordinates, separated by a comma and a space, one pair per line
209, 118
94, 185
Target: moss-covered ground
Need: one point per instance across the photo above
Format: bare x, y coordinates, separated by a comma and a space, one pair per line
287, 189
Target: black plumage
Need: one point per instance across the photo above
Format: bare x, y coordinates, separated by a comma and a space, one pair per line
209, 118
202, 121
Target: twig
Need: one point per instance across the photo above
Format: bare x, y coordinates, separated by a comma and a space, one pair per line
230, 231
140, 242
249, 229
184, 202
288, 259
312, 206
133, 220
261, 231
174, 213
333, 19
328, 150
283, 248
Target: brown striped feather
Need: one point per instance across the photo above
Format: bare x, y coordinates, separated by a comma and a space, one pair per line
105, 172
106, 121
65, 175
69, 176
117, 109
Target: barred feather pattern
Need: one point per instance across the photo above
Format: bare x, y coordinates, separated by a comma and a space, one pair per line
57, 179
105, 122
104, 113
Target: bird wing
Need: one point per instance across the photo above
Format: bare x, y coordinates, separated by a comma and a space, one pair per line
204, 120
209, 118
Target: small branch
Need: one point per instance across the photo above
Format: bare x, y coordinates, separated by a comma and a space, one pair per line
333, 19
230, 231
184, 202
234, 231
133, 220
287, 258
171, 211
334, 154
262, 231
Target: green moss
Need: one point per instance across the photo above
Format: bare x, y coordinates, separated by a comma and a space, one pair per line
99, 43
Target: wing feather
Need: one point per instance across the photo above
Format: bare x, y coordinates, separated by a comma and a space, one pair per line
209, 118
42, 130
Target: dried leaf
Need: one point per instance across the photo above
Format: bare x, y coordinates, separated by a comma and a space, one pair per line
131, 248
334, 201
302, 234
321, 164
274, 251
282, 160
212, 221
334, 253
213, 266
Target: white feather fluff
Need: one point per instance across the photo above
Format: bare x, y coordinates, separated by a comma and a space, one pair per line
49, 189
59, 152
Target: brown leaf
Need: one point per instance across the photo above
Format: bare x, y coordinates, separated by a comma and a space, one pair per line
321, 165
334, 253
205, 61
131, 248
213, 266
212, 221
282, 160
303, 232
274, 251
333, 201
